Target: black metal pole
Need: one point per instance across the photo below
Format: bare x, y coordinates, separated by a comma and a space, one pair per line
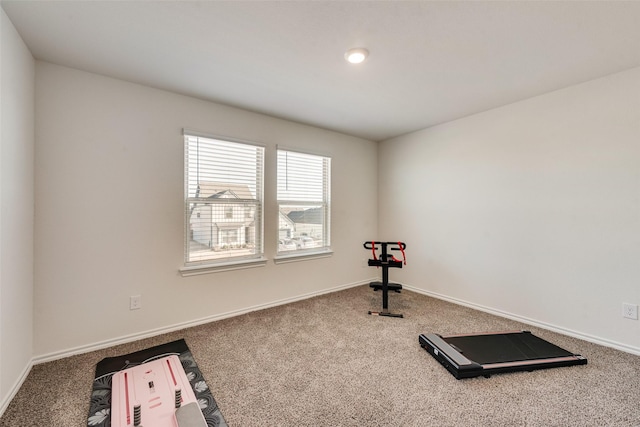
385, 279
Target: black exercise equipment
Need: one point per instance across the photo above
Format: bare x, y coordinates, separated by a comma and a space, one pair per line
385, 261
473, 355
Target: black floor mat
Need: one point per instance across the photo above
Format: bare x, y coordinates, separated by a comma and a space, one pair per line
100, 407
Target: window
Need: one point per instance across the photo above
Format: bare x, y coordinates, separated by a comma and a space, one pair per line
223, 201
303, 202
228, 212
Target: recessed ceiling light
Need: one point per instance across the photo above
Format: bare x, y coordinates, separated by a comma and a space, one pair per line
356, 55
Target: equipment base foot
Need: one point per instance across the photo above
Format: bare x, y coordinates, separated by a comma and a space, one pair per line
382, 313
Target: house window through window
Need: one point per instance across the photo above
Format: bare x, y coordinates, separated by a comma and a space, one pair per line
223, 200
303, 202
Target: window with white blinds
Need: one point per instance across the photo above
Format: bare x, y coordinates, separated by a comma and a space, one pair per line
303, 193
223, 200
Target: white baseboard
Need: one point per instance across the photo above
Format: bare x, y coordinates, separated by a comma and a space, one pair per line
158, 331
176, 327
16, 386
580, 335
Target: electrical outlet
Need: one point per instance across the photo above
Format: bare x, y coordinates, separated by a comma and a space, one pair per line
135, 302
630, 311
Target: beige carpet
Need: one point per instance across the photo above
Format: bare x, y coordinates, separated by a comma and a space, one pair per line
325, 362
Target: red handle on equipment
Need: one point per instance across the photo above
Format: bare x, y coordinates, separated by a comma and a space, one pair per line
404, 258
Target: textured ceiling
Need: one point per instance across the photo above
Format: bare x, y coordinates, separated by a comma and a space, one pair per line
430, 62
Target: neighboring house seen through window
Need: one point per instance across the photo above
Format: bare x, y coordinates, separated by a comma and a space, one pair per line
303, 202
223, 200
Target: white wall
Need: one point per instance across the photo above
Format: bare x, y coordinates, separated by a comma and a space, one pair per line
109, 169
530, 210
17, 213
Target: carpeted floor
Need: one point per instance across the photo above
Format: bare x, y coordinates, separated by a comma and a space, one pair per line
325, 362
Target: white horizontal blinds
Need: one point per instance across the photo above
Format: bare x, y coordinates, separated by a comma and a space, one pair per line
303, 193
224, 185
300, 176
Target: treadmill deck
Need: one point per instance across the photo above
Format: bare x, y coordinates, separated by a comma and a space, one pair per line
472, 355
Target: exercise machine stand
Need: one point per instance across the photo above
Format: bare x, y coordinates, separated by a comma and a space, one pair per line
385, 261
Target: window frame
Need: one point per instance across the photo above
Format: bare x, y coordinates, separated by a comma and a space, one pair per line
302, 254
255, 259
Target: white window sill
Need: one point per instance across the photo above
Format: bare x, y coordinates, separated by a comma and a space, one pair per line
194, 270
304, 256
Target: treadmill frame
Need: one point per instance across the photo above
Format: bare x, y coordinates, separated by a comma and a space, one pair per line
462, 367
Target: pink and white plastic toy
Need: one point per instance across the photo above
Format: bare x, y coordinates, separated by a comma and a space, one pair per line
154, 394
